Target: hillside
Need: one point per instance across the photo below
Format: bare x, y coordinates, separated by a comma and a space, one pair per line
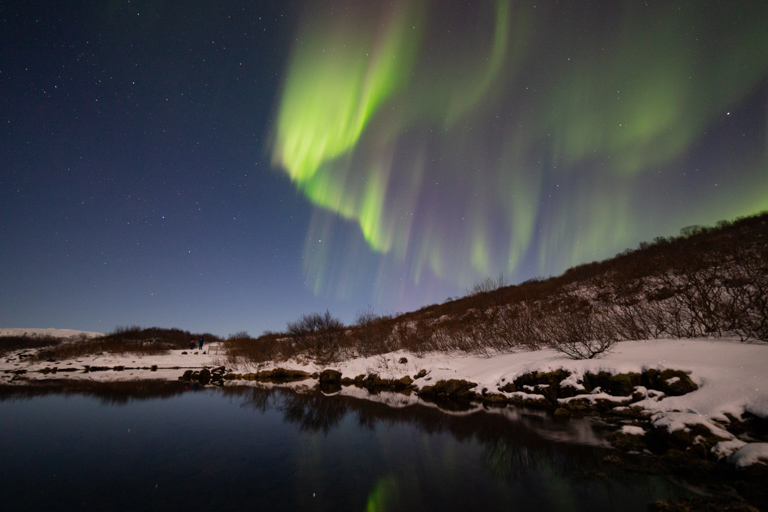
706, 282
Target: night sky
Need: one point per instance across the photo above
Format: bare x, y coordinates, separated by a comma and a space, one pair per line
229, 165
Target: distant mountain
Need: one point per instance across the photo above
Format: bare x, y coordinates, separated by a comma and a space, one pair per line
49, 332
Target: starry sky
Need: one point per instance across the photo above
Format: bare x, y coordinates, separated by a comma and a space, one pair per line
230, 165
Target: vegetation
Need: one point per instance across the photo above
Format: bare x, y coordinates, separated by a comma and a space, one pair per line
124, 340
14, 343
709, 281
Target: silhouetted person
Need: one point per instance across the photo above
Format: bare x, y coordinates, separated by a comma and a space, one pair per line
201, 343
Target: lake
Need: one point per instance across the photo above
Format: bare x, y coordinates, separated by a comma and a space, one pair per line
164, 447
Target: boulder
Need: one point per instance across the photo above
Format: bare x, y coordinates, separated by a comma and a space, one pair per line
670, 382
509, 387
495, 399
453, 388
622, 384
403, 382
330, 377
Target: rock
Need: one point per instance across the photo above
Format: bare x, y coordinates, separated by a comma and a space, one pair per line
534, 403
403, 360
509, 387
280, 375
403, 382
495, 399
568, 392
562, 414
330, 377
670, 382
546, 384
626, 442
622, 384
580, 407
422, 373
453, 388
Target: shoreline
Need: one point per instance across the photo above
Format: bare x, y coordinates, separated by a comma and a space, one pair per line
695, 409
729, 391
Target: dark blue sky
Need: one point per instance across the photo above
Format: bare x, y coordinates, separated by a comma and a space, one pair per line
144, 178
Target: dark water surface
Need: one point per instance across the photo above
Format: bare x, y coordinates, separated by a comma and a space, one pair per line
237, 449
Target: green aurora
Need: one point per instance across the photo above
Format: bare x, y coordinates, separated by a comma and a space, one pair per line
462, 141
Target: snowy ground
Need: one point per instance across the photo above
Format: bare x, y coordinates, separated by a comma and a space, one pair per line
731, 376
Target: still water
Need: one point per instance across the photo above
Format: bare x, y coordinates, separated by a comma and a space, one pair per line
273, 449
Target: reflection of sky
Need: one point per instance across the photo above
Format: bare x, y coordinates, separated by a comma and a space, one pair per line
228, 166
210, 448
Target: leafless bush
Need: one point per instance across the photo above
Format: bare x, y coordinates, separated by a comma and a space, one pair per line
14, 343
514, 326
242, 349
577, 329
319, 335
489, 284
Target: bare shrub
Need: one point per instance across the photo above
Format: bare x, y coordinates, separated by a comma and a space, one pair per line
126, 340
575, 328
319, 335
488, 284
242, 349
14, 343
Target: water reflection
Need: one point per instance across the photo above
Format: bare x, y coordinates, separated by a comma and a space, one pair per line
297, 449
513, 449
108, 393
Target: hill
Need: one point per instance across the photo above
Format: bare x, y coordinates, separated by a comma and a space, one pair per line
706, 282
48, 333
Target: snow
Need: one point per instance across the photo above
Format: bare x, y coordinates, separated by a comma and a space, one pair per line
632, 430
54, 333
673, 421
594, 397
730, 374
749, 454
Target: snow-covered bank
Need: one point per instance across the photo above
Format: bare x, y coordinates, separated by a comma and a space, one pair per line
731, 377
730, 374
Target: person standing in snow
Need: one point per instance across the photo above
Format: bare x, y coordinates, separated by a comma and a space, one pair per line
191, 344
201, 343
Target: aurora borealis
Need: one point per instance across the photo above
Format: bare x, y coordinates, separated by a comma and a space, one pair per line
229, 166
518, 137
